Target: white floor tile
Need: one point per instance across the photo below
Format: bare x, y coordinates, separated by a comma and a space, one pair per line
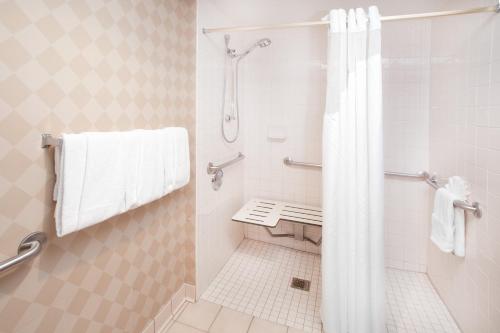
412, 304
199, 315
181, 328
256, 281
231, 321
260, 326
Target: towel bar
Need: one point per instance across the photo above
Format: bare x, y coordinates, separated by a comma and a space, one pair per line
424, 175
49, 141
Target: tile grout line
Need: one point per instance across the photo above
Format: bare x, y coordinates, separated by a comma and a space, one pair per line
251, 321
215, 318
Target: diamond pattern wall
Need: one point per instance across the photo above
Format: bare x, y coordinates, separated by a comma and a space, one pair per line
80, 65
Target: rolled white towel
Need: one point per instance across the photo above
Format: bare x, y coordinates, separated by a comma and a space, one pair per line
459, 188
443, 227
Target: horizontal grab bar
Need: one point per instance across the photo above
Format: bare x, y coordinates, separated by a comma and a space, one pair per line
29, 248
424, 175
213, 168
290, 162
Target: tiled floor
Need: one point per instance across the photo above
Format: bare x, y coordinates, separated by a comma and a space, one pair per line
205, 316
256, 279
413, 305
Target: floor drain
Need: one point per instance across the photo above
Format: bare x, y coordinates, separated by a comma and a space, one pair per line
300, 284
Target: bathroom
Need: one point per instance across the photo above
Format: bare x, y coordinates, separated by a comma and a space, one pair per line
243, 89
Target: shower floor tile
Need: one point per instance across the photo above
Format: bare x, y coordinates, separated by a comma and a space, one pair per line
256, 281
413, 305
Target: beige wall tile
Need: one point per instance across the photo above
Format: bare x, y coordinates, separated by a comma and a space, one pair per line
70, 66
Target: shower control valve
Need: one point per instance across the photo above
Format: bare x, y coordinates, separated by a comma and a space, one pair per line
217, 180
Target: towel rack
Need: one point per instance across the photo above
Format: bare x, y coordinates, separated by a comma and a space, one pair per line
49, 141
29, 248
424, 175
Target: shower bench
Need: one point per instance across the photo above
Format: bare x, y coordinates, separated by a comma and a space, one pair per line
268, 213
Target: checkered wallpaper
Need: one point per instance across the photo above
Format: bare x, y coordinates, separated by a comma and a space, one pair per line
80, 65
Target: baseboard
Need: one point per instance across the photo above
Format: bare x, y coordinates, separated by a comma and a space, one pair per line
166, 314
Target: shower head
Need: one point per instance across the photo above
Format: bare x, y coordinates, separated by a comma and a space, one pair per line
264, 42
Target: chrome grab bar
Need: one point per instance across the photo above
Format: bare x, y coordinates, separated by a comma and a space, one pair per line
213, 168
424, 175
290, 162
29, 248
420, 175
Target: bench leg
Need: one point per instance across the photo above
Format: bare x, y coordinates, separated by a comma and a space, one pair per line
298, 234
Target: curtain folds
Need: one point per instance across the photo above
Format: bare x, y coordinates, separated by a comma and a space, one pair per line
353, 248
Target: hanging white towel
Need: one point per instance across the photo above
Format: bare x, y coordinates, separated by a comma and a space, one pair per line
151, 177
133, 143
70, 173
104, 182
443, 226
448, 222
458, 187
100, 175
181, 165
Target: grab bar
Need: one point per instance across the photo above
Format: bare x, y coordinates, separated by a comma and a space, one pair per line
213, 168
29, 248
290, 162
424, 175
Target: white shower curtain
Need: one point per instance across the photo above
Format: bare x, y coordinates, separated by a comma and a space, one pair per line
352, 250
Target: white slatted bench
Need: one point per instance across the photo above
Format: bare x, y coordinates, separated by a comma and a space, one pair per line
268, 213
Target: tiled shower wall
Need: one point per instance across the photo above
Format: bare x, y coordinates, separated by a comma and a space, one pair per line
217, 236
465, 136
71, 66
406, 67
283, 101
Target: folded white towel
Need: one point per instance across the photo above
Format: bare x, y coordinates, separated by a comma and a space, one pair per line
181, 165
151, 177
70, 174
132, 141
100, 175
443, 220
103, 194
448, 222
458, 187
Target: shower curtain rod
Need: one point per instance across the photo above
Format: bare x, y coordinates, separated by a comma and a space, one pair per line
488, 9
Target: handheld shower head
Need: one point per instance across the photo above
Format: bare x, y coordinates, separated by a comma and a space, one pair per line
263, 42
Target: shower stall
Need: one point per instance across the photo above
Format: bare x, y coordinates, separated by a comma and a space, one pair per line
270, 108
